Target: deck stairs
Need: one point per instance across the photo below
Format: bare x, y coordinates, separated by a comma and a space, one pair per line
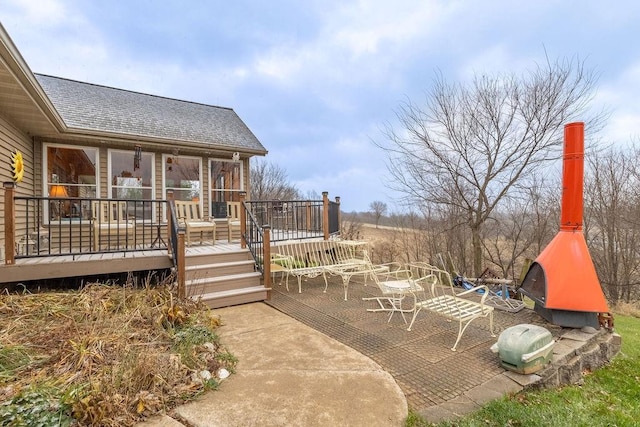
224, 279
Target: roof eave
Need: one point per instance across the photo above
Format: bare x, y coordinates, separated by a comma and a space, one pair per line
25, 77
110, 136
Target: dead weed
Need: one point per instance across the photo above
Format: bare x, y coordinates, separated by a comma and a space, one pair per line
115, 354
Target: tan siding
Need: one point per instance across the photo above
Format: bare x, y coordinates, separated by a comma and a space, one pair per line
12, 139
103, 155
246, 178
37, 167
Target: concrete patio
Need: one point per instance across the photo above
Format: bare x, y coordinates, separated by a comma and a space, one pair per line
437, 382
313, 359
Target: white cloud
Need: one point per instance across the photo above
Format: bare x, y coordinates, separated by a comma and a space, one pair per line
55, 39
43, 13
363, 27
620, 94
356, 43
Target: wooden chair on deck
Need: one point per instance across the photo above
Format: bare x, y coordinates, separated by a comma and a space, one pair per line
233, 217
111, 224
190, 216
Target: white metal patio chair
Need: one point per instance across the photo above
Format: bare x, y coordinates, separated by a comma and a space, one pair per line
395, 286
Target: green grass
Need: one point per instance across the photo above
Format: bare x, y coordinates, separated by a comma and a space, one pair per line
610, 396
12, 358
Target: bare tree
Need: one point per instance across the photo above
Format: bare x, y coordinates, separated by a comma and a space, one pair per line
470, 144
611, 227
350, 227
270, 182
522, 226
377, 209
414, 237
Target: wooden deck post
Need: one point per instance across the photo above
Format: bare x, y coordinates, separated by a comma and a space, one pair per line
266, 260
325, 214
9, 223
243, 220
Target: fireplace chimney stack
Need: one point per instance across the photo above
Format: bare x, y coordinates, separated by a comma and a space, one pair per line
562, 280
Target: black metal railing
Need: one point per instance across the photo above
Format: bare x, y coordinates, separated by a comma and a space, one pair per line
291, 219
73, 226
173, 231
254, 237
334, 218
48, 226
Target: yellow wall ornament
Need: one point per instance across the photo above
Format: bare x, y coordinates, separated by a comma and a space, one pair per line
17, 164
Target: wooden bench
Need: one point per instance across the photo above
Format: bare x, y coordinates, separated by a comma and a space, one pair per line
190, 216
313, 258
441, 298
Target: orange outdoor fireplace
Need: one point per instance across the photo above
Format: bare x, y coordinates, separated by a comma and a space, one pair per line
562, 280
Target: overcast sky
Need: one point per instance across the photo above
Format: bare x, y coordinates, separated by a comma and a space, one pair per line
317, 80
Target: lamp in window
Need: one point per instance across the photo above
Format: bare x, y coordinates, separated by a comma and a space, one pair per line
58, 206
137, 156
58, 191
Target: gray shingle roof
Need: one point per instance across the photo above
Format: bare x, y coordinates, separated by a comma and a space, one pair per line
100, 108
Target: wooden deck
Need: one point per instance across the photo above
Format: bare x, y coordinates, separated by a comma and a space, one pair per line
56, 266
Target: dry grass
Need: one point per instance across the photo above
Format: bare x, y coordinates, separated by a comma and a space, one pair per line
109, 355
627, 309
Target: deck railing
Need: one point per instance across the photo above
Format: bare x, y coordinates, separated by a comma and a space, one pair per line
272, 221
253, 237
50, 226
74, 226
291, 219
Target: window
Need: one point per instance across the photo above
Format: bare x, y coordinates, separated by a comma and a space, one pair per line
132, 179
226, 180
71, 173
182, 175
127, 181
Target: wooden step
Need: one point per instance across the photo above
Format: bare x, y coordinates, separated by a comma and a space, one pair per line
221, 257
234, 297
205, 285
218, 269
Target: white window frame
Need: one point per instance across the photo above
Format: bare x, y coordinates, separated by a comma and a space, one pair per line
164, 175
110, 172
212, 181
45, 172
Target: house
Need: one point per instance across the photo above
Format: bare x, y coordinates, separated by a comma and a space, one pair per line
88, 148
84, 137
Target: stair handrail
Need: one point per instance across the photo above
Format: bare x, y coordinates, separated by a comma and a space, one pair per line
254, 238
176, 245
